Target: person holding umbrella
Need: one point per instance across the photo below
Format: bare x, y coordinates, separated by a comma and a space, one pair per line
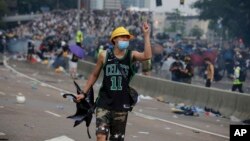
113, 102
77, 53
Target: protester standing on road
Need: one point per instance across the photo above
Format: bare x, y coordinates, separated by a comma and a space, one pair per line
79, 38
209, 73
237, 83
113, 100
73, 63
176, 68
30, 50
188, 71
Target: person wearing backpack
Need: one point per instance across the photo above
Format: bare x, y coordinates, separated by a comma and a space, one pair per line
113, 101
238, 78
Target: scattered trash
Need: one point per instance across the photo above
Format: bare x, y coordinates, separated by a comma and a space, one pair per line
2, 134
45, 62
145, 97
20, 98
43, 85
171, 105
59, 69
34, 85
140, 110
234, 119
246, 121
212, 112
177, 111
30, 126
195, 131
160, 98
2, 93
188, 110
61, 107
175, 116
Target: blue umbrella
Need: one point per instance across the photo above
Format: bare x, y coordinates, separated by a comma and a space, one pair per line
77, 51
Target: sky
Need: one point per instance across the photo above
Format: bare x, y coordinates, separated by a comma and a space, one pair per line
169, 5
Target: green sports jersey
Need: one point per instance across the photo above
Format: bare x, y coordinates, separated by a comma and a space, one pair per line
114, 93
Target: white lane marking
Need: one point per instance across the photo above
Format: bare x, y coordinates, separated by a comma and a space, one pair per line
144, 133
137, 114
2, 93
2, 134
178, 124
54, 114
26, 76
61, 138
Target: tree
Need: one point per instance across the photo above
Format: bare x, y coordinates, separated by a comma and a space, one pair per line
233, 16
3, 11
27, 6
178, 23
196, 32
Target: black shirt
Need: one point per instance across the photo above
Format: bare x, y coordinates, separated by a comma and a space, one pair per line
114, 93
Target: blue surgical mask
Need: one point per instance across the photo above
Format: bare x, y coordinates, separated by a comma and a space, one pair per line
123, 45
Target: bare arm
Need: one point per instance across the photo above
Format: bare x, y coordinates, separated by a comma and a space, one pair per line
212, 71
147, 54
94, 75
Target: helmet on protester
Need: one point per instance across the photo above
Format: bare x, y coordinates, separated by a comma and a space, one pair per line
119, 31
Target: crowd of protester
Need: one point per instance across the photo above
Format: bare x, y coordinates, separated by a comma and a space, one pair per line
176, 58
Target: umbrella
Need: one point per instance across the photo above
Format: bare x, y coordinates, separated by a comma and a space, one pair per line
197, 59
77, 51
211, 55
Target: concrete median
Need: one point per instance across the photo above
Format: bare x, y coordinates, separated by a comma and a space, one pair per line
227, 102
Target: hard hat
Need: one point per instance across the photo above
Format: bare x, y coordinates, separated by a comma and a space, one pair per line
119, 31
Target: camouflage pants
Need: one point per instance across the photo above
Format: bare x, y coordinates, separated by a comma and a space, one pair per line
111, 122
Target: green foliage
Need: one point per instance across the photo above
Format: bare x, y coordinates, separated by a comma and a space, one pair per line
3, 8
196, 32
26, 6
3, 11
178, 23
233, 16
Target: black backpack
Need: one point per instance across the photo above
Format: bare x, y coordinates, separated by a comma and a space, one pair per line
243, 74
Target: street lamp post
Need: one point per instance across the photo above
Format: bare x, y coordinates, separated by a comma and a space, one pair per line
78, 14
